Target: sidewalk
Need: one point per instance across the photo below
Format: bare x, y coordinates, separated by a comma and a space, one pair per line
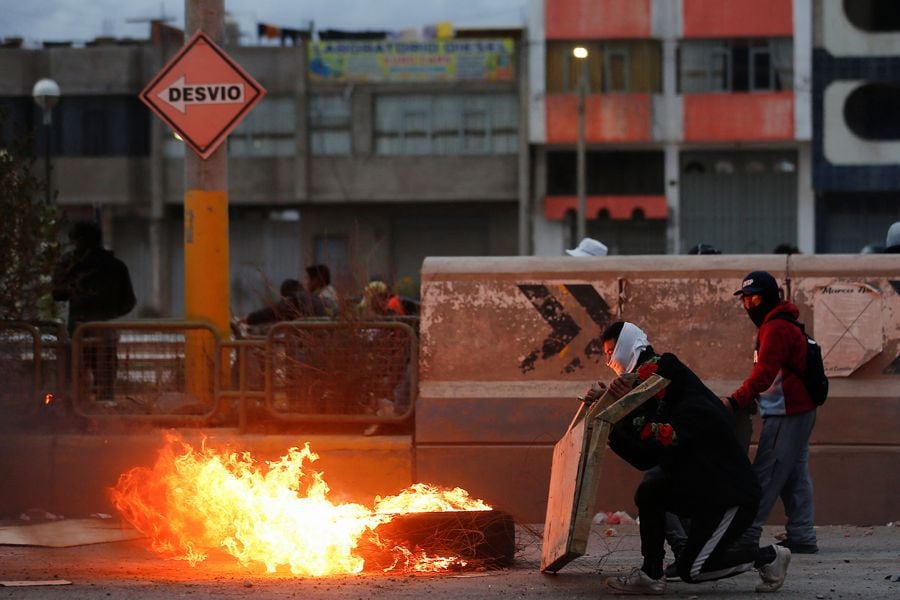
853, 562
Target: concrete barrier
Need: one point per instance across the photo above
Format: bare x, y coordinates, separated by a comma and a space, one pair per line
508, 343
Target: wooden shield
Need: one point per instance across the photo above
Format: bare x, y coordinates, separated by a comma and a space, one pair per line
575, 474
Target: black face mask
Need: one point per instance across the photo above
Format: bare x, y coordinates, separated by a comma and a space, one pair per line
758, 313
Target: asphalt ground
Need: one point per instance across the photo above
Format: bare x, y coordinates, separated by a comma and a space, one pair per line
853, 562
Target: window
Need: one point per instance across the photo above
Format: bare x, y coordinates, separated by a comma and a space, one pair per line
94, 133
615, 70
415, 132
871, 111
475, 132
612, 67
329, 124
608, 172
334, 251
17, 116
735, 65
98, 126
447, 124
267, 130
874, 15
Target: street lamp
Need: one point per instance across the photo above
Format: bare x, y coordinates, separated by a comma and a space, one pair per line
46, 95
581, 54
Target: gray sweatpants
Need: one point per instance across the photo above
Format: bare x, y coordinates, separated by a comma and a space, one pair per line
782, 467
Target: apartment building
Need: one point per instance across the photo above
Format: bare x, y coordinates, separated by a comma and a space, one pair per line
697, 124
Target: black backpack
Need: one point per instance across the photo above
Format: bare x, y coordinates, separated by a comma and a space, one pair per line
813, 377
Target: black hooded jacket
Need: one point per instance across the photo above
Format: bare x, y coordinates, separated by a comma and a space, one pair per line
96, 284
699, 455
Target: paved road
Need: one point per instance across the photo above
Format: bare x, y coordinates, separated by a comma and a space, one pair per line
854, 562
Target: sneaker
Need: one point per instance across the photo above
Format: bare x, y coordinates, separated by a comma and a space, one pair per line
671, 573
798, 548
636, 582
773, 574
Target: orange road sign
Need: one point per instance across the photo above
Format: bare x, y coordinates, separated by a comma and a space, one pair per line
202, 94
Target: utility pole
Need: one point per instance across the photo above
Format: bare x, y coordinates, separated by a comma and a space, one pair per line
581, 54
206, 268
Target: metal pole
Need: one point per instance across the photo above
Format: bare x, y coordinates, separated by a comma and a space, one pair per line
206, 275
581, 224
48, 125
524, 162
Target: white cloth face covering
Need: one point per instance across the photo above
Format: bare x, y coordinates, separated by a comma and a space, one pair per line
632, 341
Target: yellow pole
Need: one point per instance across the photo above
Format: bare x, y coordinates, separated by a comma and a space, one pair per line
206, 284
206, 274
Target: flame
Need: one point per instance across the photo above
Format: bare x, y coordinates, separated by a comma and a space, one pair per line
277, 515
48, 398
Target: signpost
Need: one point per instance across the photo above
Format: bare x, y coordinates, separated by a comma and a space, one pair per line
202, 94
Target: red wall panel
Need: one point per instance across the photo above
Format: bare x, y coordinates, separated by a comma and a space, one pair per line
765, 116
608, 118
737, 18
591, 19
619, 207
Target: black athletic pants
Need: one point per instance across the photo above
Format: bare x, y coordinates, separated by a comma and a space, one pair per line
710, 552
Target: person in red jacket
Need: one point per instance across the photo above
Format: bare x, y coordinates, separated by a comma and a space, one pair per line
788, 413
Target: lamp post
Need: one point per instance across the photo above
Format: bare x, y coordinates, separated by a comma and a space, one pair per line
581, 54
46, 95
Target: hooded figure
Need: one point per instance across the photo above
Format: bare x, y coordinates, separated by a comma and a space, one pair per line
788, 412
697, 470
763, 285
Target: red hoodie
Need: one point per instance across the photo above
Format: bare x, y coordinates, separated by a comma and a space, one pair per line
780, 390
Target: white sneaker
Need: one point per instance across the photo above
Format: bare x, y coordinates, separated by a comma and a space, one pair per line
773, 574
637, 582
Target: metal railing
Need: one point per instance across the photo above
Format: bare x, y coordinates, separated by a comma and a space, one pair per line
341, 372
167, 372
33, 361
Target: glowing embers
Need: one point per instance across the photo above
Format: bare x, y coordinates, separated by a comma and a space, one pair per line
278, 516
484, 538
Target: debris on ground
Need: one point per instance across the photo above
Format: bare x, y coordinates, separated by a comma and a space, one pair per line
35, 583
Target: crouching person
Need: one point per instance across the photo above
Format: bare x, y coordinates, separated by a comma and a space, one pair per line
702, 472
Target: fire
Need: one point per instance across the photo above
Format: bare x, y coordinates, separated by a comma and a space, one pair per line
277, 515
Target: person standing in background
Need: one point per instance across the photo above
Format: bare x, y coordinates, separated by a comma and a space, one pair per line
318, 282
97, 286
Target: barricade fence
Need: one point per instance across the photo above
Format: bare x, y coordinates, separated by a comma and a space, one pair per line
33, 366
182, 373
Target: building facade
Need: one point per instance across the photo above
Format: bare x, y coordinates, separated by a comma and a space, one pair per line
744, 125
856, 121
697, 124
366, 155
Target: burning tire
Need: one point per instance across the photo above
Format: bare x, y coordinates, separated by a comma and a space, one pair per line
462, 539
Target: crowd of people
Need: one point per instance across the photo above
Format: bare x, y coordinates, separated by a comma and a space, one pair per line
318, 298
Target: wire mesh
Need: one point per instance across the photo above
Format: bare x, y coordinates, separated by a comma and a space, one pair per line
157, 369
32, 366
346, 371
